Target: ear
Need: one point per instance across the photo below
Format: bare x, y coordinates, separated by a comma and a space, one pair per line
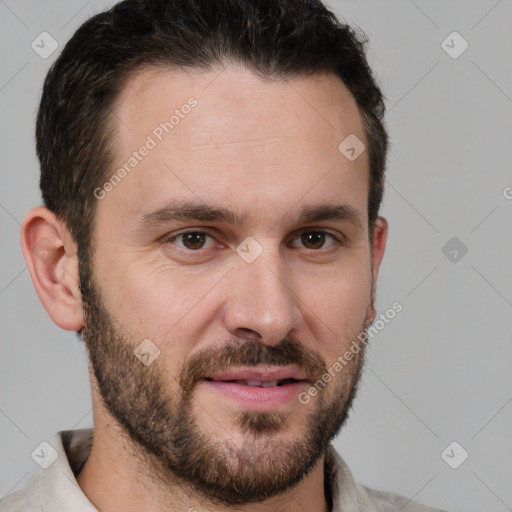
51, 257
379, 238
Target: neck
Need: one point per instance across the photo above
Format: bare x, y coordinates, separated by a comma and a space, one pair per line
116, 478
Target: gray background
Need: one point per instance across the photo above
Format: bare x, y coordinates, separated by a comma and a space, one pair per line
440, 371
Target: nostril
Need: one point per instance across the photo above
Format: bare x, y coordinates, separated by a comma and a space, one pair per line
247, 334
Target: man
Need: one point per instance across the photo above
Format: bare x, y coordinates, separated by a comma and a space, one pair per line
212, 173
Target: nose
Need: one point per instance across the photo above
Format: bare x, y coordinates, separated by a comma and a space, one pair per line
262, 303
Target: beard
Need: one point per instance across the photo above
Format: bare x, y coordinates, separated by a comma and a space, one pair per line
155, 409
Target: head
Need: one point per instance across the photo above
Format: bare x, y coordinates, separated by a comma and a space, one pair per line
200, 220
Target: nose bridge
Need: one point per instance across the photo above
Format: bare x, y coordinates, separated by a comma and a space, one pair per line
261, 298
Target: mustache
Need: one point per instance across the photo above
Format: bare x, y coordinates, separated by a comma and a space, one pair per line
250, 353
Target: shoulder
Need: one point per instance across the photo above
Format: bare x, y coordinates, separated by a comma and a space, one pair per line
15, 502
25, 500
350, 496
389, 502
54, 487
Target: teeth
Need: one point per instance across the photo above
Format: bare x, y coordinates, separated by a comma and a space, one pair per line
255, 383
260, 384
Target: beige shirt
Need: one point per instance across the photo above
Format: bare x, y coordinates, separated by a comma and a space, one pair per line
55, 488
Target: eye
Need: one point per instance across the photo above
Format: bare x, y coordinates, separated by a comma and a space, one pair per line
191, 240
316, 240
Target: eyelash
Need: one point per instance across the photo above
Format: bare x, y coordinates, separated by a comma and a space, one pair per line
169, 240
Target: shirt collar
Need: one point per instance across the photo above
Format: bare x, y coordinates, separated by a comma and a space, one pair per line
55, 487
343, 488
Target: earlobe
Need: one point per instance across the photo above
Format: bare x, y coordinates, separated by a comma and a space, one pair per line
50, 254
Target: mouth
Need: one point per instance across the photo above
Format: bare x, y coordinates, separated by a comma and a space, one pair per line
258, 383
258, 389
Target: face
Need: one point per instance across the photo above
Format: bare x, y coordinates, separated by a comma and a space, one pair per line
234, 255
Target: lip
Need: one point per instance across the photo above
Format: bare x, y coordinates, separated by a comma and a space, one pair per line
261, 373
258, 399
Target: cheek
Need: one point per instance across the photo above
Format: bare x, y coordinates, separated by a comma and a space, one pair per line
344, 306
338, 306
165, 304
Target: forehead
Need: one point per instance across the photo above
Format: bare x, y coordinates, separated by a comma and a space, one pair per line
154, 94
227, 136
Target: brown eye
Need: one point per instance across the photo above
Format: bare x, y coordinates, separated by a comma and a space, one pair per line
191, 240
313, 240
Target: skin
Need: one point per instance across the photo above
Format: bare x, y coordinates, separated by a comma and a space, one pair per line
263, 149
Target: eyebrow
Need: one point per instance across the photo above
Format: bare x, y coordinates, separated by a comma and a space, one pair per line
186, 210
